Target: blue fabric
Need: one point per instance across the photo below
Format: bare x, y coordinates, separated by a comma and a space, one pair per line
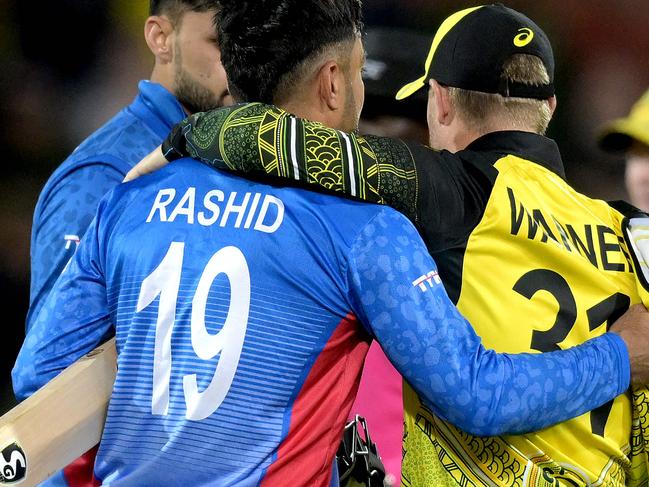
327, 257
69, 200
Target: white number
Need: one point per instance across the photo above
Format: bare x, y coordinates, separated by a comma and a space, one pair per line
229, 341
164, 281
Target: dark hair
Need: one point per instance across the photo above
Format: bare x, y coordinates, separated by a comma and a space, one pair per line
175, 8
264, 41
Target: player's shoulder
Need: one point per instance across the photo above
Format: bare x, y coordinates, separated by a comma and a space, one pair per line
114, 148
121, 142
387, 225
180, 175
348, 219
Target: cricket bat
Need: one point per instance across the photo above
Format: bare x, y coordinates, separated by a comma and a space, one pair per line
60, 422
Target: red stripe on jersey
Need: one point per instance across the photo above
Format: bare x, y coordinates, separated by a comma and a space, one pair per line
81, 472
319, 412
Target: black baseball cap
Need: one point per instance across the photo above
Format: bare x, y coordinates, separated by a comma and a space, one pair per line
471, 47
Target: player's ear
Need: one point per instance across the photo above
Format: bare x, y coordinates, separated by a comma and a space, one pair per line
445, 108
552, 101
331, 85
159, 36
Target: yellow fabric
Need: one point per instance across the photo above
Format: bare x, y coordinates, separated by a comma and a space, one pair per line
539, 244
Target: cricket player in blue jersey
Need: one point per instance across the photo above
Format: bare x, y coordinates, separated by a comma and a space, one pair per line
243, 311
187, 77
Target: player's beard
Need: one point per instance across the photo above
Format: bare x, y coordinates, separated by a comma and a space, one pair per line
193, 96
190, 93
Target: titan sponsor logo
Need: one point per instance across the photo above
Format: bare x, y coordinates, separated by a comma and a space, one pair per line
427, 281
71, 239
13, 465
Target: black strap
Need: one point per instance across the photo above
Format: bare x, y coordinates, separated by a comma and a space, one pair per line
174, 146
514, 89
358, 457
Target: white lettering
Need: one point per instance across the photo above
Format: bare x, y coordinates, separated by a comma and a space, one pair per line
211, 206
69, 239
253, 208
430, 278
185, 206
279, 204
263, 213
160, 205
230, 208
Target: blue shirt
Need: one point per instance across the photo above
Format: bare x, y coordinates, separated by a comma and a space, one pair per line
243, 313
69, 200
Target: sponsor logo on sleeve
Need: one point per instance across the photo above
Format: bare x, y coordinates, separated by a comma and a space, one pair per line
70, 239
427, 281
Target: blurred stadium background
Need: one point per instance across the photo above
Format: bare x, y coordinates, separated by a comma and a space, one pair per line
68, 66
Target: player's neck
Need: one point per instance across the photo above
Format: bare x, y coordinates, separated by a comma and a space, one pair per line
165, 78
307, 104
302, 110
463, 138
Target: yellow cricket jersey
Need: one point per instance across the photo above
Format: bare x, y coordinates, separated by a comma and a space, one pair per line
544, 269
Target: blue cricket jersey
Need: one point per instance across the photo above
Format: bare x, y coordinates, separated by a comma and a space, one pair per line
68, 202
243, 313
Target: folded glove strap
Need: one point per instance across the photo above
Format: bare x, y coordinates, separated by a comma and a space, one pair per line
358, 458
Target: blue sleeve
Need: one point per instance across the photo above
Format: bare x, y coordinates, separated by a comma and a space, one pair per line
73, 320
60, 221
396, 292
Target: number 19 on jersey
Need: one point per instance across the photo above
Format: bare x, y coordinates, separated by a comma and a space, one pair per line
164, 281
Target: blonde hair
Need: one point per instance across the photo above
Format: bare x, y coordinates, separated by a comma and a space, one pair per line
478, 109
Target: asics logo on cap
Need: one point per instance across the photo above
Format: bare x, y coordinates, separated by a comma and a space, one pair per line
524, 38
